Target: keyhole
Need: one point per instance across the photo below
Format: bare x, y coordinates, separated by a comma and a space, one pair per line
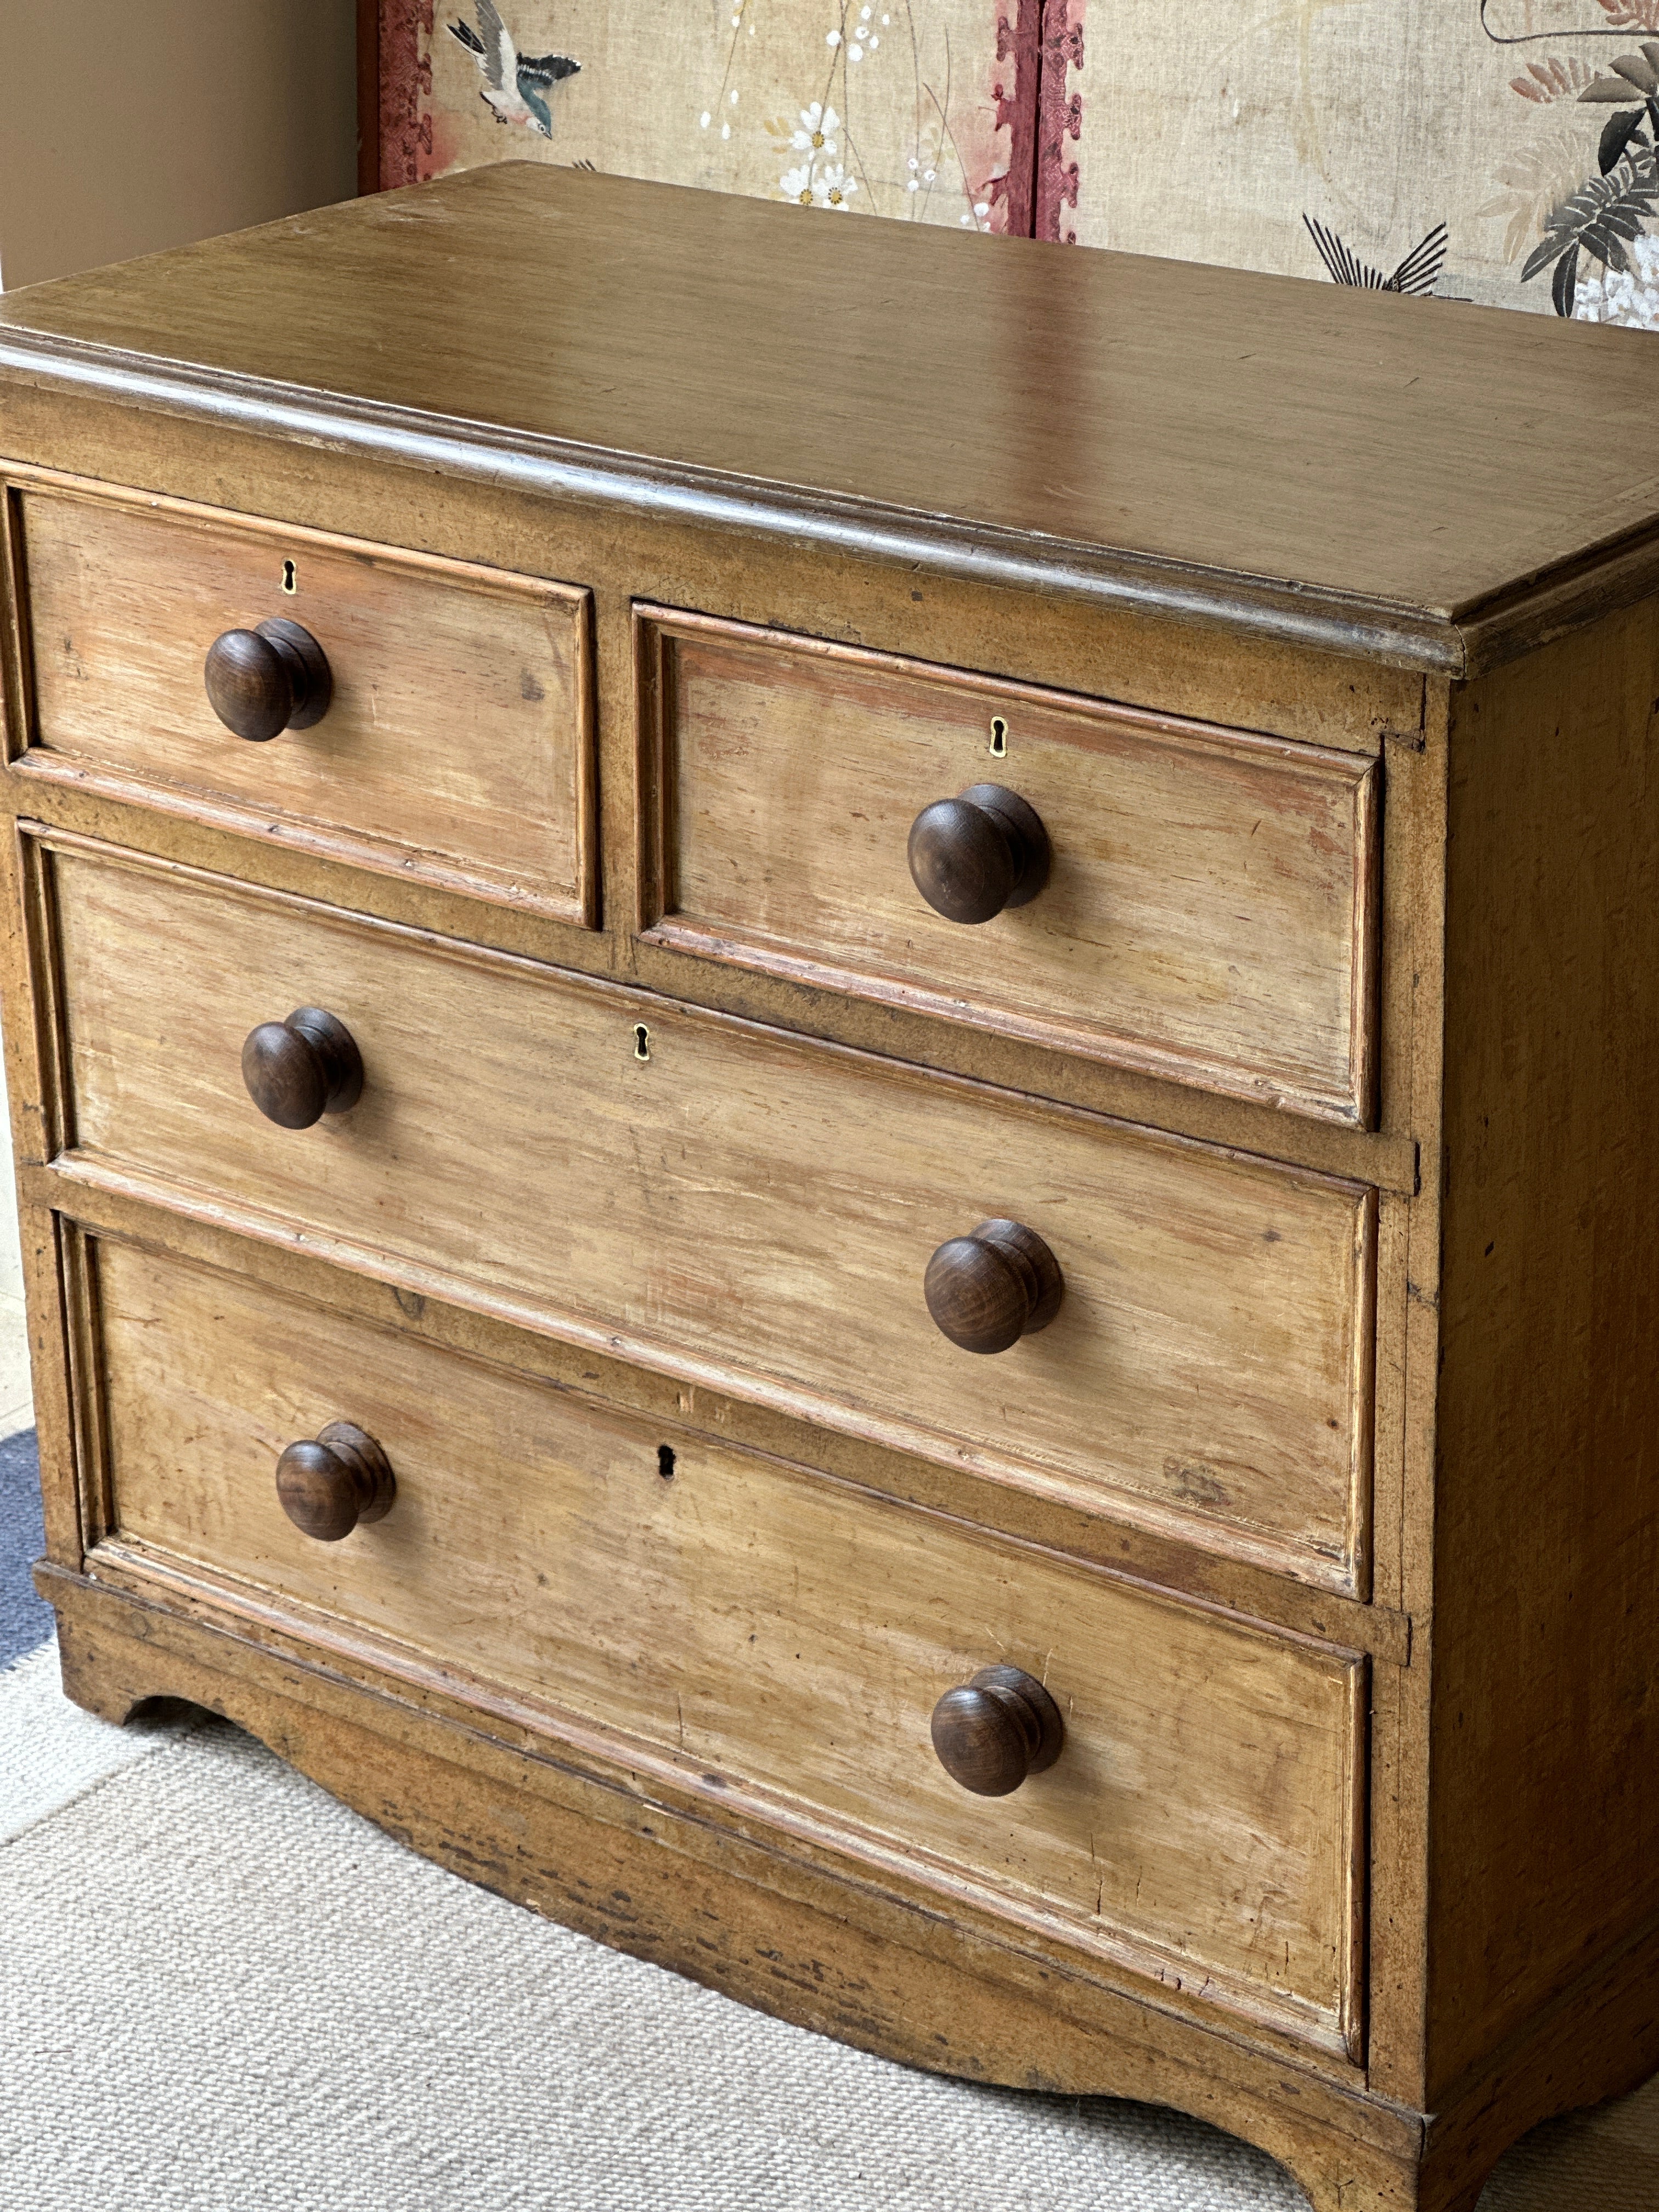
998, 748
666, 1461
288, 584
641, 1042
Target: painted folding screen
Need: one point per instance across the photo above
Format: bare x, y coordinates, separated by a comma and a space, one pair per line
917, 109
1497, 150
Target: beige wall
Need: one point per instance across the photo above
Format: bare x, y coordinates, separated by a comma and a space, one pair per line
125, 128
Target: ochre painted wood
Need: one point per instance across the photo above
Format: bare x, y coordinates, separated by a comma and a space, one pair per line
1208, 912
752, 1210
1275, 511
1349, 453
456, 745
99, 1202
1546, 1715
790, 1634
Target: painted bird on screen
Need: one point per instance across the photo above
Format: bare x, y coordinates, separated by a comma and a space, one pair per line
516, 85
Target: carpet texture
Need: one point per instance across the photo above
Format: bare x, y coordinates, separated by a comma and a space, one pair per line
220, 1989
25, 1619
283, 2008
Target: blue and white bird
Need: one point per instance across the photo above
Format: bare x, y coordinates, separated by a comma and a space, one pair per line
515, 85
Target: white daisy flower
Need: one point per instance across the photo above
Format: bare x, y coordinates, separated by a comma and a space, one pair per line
817, 121
797, 184
832, 39
833, 188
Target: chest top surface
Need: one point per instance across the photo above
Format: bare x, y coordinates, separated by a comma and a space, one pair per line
1208, 432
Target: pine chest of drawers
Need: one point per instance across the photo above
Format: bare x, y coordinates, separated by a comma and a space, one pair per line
833, 1057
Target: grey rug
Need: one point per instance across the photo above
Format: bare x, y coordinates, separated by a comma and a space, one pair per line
220, 1989
25, 1619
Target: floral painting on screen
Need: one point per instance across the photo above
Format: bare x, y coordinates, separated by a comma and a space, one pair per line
907, 109
1495, 151
1505, 151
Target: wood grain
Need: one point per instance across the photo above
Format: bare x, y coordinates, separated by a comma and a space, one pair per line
1544, 1832
93, 1199
262, 682
1399, 511
457, 744
753, 1211
771, 1626
993, 1734
1349, 703
1210, 907
727, 1242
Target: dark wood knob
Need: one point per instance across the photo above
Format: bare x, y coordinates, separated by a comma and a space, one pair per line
299, 1070
263, 681
989, 1289
330, 1482
994, 1731
973, 855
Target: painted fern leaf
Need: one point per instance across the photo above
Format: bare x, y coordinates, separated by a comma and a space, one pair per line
1603, 213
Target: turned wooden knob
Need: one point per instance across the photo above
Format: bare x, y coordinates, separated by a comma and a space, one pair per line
299, 1070
973, 855
330, 1482
994, 1731
263, 681
989, 1289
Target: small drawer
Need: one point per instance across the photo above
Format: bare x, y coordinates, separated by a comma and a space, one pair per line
804, 1225
1195, 902
455, 740
773, 1638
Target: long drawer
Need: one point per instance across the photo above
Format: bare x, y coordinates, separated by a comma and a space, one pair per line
757, 1630
1206, 910
456, 745
745, 1207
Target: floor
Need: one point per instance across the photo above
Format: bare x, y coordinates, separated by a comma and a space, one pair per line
16, 1404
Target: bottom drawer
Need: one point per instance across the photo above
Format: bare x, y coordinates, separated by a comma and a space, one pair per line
771, 1633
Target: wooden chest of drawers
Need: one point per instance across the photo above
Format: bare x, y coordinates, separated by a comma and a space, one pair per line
853, 1172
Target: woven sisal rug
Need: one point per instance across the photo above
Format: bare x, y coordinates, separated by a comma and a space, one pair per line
220, 1989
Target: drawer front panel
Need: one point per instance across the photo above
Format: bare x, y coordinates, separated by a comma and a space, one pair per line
748, 1208
761, 1629
456, 745
1209, 910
